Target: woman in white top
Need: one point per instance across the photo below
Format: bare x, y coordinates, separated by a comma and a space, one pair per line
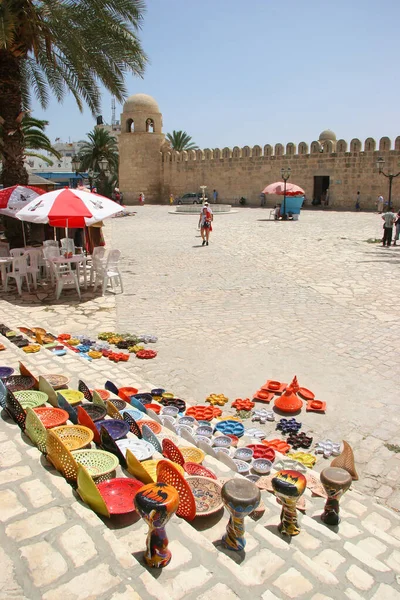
205, 220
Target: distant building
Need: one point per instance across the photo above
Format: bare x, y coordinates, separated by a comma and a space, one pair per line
60, 172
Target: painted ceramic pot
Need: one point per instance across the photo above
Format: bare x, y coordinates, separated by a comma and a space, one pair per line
336, 482
156, 503
288, 402
288, 487
240, 497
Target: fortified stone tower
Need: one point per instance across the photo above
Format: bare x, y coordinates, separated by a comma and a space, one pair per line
140, 144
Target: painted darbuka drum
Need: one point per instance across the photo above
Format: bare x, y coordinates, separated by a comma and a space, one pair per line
336, 482
240, 497
288, 487
156, 503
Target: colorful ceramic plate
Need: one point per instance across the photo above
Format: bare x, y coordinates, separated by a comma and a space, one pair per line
52, 417
31, 399
242, 467
133, 412
306, 394
19, 382
155, 427
245, 454
115, 427
104, 394
201, 413
74, 437
56, 381
262, 451
207, 495
119, 494
140, 448
261, 466
73, 396
291, 465
95, 412
119, 404
230, 426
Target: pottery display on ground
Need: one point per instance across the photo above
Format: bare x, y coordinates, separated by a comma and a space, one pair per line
288, 487
240, 497
336, 482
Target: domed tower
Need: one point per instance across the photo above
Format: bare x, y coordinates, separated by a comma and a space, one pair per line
328, 138
140, 143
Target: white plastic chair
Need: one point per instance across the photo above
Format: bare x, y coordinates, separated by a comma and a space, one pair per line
109, 273
98, 262
67, 245
19, 272
50, 243
63, 278
34, 257
17, 252
50, 252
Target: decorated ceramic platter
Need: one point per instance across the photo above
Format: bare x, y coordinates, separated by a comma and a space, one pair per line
242, 467
133, 412
207, 495
57, 381
230, 426
290, 465
140, 448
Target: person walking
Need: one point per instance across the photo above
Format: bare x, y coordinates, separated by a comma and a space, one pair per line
205, 220
380, 204
215, 196
358, 205
388, 218
141, 198
171, 199
397, 230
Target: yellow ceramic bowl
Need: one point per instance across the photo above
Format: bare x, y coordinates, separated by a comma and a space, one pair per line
72, 396
73, 342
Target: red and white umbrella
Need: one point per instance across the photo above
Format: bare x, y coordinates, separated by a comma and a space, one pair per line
12, 199
69, 208
278, 189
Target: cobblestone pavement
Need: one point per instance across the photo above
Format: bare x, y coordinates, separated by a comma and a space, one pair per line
266, 302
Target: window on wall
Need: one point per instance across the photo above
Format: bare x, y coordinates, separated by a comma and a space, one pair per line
149, 125
130, 126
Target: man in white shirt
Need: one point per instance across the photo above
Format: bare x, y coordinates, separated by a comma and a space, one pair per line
388, 218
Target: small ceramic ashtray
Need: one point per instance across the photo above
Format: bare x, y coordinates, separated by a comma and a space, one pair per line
191, 421
205, 430
274, 385
245, 454
253, 478
290, 465
171, 411
242, 467
157, 391
255, 433
261, 466
222, 441
203, 438
167, 419
180, 428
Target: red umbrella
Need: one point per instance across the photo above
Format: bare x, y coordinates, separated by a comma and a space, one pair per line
278, 188
13, 198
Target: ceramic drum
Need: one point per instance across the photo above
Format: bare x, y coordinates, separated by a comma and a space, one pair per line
288, 487
240, 497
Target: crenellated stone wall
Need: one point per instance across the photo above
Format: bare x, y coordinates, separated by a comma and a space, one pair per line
246, 171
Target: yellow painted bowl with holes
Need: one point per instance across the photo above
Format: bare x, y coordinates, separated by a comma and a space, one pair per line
30, 398
192, 454
151, 468
94, 354
31, 348
74, 437
72, 396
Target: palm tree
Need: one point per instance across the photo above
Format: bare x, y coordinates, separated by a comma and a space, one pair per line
101, 145
34, 139
180, 141
60, 46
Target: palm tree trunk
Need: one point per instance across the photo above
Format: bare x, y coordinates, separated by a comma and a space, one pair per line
14, 171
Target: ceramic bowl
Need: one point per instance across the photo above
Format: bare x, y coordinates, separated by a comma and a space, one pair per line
204, 430
157, 392
180, 428
203, 438
190, 421
242, 467
245, 454
261, 466
223, 450
274, 385
171, 411
222, 441
167, 419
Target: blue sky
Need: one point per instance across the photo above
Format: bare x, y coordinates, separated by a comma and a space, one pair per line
234, 73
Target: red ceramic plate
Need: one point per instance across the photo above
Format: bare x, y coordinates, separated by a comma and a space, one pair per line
306, 394
202, 413
52, 417
119, 494
192, 468
155, 427
271, 386
278, 445
126, 392
234, 438
316, 406
261, 451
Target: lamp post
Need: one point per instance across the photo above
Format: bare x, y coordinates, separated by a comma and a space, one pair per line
285, 174
103, 165
76, 163
380, 163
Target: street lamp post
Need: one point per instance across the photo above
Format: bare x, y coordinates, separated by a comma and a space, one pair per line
103, 165
76, 164
380, 163
285, 174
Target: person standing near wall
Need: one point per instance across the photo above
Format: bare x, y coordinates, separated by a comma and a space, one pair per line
141, 198
388, 218
215, 196
171, 199
358, 205
205, 220
397, 230
380, 204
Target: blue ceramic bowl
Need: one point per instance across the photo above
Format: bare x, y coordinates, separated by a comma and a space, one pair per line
6, 372
133, 412
115, 427
144, 398
157, 392
230, 426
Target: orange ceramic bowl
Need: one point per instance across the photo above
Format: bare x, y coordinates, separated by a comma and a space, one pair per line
125, 393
